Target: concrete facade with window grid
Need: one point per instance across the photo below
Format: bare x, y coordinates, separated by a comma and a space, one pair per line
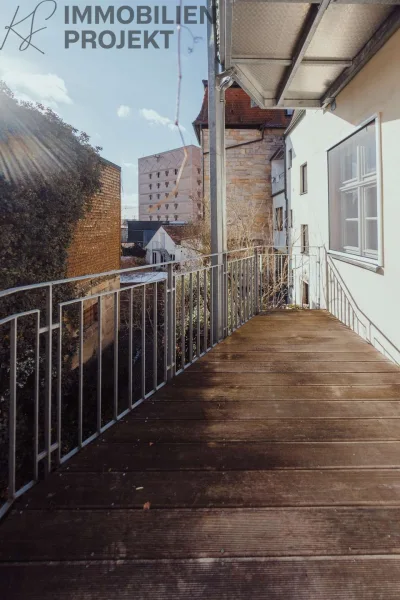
351, 204
165, 194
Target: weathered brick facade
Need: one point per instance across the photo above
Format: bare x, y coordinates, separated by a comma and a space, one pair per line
96, 246
248, 179
252, 136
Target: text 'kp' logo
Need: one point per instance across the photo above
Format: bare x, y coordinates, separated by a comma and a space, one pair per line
17, 29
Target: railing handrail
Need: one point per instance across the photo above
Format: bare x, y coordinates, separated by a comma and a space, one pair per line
46, 284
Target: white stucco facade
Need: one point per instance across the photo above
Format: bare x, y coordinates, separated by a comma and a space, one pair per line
370, 283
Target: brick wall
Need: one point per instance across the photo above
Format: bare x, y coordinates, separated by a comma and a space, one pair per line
248, 179
97, 240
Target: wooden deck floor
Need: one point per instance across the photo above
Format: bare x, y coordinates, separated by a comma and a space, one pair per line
271, 468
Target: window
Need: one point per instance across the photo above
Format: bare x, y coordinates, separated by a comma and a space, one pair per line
176, 205
176, 194
167, 217
290, 158
198, 171
279, 218
199, 205
303, 179
291, 219
151, 197
173, 257
90, 315
353, 194
155, 258
176, 217
151, 217
150, 185
150, 206
158, 207
166, 206
166, 183
166, 172
150, 175
158, 185
199, 182
158, 175
289, 112
166, 194
305, 246
176, 171
158, 216
158, 196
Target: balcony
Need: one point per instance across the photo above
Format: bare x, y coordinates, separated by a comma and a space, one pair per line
258, 456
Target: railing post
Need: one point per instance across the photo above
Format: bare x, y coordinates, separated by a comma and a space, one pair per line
48, 379
224, 289
170, 329
256, 282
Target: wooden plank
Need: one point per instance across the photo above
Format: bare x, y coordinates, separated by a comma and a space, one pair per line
278, 430
226, 366
234, 345
218, 489
234, 455
196, 379
276, 392
275, 409
361, 578
184, 533
297, 356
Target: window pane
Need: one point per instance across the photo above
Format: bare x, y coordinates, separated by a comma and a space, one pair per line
371, 235
351, 234
368, 145
350, 204
370, 201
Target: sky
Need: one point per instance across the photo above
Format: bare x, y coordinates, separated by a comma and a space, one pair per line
124, 99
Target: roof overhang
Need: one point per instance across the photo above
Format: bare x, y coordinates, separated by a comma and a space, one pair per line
292, 54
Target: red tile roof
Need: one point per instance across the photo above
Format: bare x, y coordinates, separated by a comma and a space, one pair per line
240, 114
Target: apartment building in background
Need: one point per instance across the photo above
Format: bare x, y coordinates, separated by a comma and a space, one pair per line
165, 193
252, 137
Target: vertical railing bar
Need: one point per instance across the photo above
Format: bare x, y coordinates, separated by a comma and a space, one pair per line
231, 267
205, 344
49, 378
211, 306
198, 313
99, 361
80, 401
130, 349
295, 279
190, 317
267, 277
143, 340
36, 398
155, 339
59, 392
236, 293
12, 417
116, 344
173, 280
183, 332
166, 317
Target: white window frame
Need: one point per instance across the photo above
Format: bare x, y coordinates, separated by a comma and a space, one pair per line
374, 258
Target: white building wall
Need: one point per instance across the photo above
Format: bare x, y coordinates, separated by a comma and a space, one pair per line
165, 197
374, 91
163, 241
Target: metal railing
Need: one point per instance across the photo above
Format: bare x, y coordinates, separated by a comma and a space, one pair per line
78, 354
